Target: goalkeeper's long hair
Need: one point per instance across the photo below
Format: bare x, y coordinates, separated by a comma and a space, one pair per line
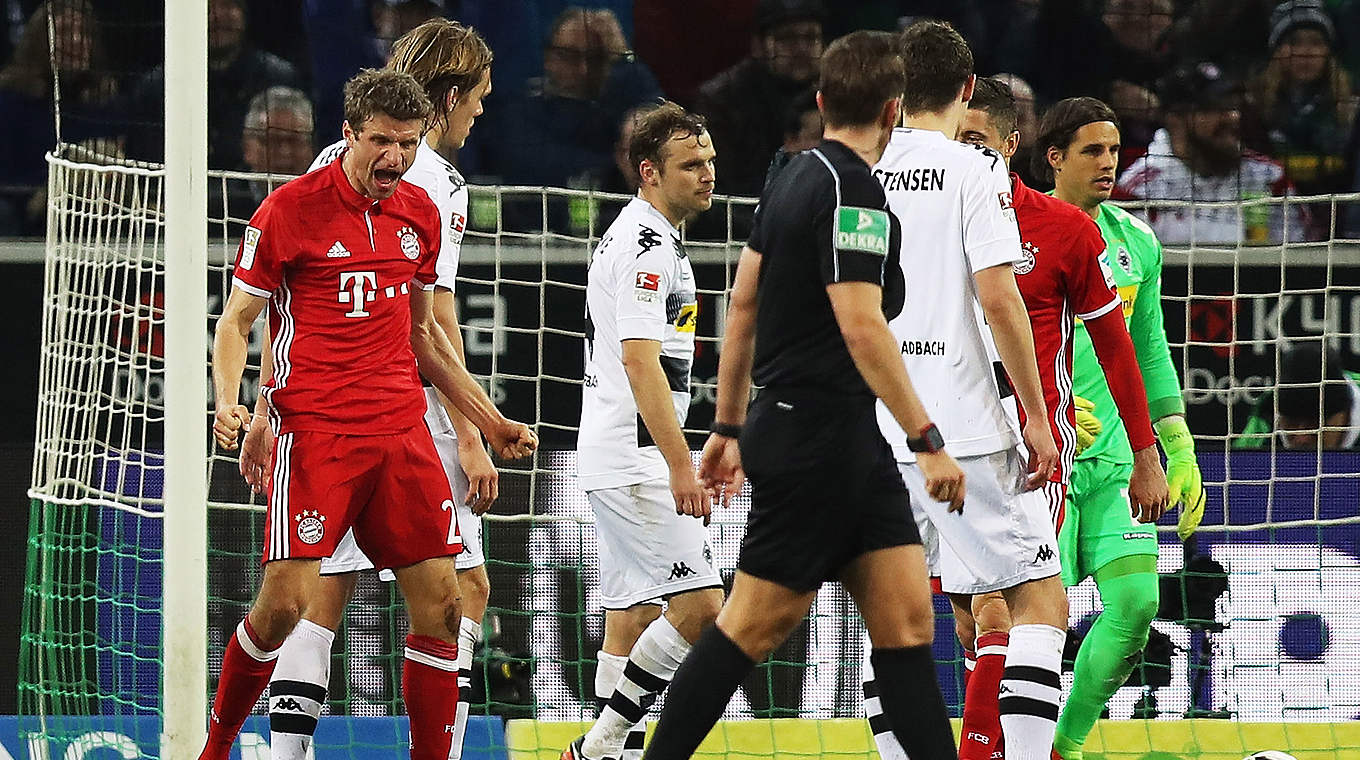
442, 55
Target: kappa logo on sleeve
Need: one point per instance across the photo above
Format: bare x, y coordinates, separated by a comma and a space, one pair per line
248, 244
862, 229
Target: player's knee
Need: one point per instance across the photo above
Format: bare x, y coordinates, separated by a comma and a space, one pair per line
476, 587
991, 615
1136, 604
273, 619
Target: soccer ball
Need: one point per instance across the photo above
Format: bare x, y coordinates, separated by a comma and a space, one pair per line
1270, 754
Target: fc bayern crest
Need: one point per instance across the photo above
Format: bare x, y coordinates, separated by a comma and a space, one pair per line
311, 526
1026, 264
410, 244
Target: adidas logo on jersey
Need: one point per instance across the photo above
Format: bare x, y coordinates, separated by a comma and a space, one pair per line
337, 251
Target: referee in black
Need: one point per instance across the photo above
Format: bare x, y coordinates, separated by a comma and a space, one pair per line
814, 290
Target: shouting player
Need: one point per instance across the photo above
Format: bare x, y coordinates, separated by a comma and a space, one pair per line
453, 63
633, 460
345, 258
1078, 147
1061, 275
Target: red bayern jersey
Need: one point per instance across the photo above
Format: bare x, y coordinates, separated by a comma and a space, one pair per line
338, 268
1061, 278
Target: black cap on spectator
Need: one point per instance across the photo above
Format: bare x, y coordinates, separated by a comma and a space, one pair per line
772, 13
1295, 13
1302, 365
1202, 85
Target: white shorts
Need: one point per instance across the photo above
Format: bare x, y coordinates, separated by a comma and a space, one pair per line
647, 551
349, 558
1003, 537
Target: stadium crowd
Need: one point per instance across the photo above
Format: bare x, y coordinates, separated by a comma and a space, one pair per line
1220, 100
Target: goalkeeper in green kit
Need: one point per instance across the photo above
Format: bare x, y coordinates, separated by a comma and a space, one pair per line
1078, 146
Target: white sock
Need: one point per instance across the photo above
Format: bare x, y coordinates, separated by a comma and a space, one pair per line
1031, 690
469, 634
884, 738
297, 690
648, 670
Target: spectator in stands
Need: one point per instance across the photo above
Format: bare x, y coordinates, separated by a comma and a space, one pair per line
668, 32
1232, 33
237, 71
1315, 397
1305, 100
393, 18
1199, 157
746, 104
277, 140
1115, 53
26, 100
1027, 122
563, 126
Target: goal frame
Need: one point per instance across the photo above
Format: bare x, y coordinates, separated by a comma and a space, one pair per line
184, 663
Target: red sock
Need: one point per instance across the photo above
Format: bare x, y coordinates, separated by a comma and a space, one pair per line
429, 684
981, 736
246, 667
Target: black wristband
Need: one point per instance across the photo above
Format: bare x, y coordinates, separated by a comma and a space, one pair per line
929, 441
725, 429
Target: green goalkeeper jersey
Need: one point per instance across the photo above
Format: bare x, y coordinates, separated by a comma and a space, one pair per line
1135, 259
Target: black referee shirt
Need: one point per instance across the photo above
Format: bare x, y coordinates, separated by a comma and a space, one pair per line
822, 219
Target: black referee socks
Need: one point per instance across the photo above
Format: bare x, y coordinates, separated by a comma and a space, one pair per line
910, 696
699, 693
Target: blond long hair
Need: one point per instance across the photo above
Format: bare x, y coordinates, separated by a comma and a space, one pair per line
1271, 84
442, 55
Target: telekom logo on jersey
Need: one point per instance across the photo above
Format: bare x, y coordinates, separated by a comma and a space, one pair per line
356, 289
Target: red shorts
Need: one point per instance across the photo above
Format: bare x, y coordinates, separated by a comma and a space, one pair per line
390, 488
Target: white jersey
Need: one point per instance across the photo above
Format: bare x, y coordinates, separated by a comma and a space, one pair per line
640, 286
954, 201
1161, 175
445, 186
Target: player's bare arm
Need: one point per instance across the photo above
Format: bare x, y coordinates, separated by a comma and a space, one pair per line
231, 342
642, 363
1009, 322
720, 467
483, 480
1148, 494
259, 443
876, 354
439, 363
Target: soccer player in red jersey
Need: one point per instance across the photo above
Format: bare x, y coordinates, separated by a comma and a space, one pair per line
344, 257
1063, 276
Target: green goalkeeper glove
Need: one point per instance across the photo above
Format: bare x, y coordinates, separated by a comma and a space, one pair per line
1088, 425
1183, 478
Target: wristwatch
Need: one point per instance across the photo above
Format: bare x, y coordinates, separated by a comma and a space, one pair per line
930, 440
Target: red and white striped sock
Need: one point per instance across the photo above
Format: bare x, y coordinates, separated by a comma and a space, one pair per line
429, 684
246, 667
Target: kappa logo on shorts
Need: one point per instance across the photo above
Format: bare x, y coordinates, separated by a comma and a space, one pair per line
1045, 554
311, 526
680, 570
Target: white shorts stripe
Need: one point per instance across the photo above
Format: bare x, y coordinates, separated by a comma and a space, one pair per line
278, 503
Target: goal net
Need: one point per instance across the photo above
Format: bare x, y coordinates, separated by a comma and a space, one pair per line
1264, 653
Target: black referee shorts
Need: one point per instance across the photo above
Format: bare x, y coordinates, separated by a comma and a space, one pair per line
824, 487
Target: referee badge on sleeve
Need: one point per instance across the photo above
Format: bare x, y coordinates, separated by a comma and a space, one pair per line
862, 229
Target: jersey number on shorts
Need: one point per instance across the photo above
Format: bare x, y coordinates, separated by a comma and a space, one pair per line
447, 506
